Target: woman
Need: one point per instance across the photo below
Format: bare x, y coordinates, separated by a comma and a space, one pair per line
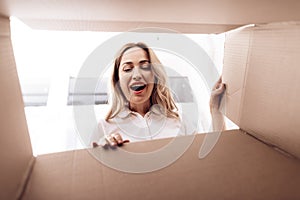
142, 106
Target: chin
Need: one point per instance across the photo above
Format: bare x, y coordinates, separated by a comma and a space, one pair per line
138, 100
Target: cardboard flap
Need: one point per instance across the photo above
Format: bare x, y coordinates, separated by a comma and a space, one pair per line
239, 167
235, 66
118, 15
16, 154
268, 106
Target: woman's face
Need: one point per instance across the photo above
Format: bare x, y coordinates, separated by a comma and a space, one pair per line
136, 76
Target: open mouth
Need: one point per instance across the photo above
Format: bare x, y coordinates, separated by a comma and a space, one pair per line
137, 88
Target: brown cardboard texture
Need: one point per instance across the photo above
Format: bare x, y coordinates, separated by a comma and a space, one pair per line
16, 154
239, 167
190, 16
260, 69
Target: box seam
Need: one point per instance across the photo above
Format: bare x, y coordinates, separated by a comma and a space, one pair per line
269, 144
25, 179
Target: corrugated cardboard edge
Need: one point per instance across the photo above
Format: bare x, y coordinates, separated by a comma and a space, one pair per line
25, 179
124, 26
277, 25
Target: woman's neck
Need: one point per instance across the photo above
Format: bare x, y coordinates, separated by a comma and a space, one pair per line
142, 109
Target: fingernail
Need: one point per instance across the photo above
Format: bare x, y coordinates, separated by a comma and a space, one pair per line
113, 143
95, 144
120, 141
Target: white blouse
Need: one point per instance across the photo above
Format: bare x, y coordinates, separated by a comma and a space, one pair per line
154, 125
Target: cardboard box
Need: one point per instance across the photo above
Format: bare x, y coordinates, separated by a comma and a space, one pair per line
261, 72
263, 92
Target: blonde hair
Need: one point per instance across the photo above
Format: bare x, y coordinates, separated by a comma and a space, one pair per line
161, 94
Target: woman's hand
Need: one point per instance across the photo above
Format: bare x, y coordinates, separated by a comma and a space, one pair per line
115, 139
218, 123
112, 140
216, 96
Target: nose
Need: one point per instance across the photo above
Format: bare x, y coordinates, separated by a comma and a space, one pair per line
136, 74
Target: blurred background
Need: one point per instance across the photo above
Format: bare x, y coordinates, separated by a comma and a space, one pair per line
48, 63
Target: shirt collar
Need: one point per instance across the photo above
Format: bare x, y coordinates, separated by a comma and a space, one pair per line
156, 109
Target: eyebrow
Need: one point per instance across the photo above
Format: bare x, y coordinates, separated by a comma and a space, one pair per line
140, 62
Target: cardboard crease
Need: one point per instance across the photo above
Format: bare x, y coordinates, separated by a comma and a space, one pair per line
269, 143
26, 178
